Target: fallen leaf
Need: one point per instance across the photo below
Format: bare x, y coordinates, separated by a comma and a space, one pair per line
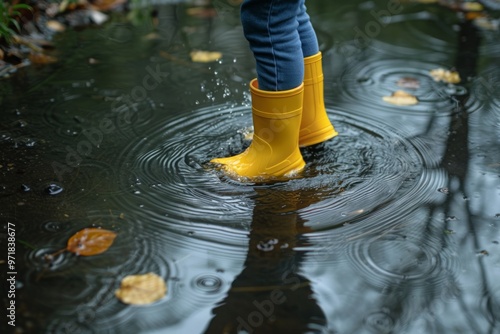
56, 26
486, 23
141, 289
472, 6
41, 59
205, 56
401, 98
202, 12
440, 74
105, 5
408, 82
91, 241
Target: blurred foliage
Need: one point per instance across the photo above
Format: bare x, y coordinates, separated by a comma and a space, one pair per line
8, 19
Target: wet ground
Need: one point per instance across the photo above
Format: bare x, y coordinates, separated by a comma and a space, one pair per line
393, 227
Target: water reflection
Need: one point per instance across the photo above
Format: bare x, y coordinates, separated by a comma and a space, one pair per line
272, 294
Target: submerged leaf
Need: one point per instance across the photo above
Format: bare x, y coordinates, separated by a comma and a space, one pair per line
205, 56
141, 289
91, 241
440, 74
401, 98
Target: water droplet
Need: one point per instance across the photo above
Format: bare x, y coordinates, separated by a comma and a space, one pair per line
53, 189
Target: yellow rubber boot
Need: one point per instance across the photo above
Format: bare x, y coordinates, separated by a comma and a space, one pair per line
315, 127
274, 150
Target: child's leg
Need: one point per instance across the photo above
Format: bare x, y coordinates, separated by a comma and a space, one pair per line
306, 32
270, 26
315, 127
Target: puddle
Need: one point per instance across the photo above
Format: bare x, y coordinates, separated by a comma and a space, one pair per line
391, 227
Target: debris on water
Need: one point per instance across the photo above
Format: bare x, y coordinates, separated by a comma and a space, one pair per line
497, 215
25, 187
451, 218
448, 231
53, 189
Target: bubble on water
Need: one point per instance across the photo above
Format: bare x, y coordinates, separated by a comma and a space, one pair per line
380, 322
53, 189
208, 283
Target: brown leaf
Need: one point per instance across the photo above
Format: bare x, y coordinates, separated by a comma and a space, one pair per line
401, 98
42, 59
408, 82
440, 74
141, 289
91, 241
105, 5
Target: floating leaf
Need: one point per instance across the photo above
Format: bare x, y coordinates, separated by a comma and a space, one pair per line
205, 56
91, 241
141, 289
401, 98
408, 82
444, 75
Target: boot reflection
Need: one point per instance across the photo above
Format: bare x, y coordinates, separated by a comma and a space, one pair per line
270, 295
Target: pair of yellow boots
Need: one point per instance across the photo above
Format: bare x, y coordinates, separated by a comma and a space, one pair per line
280, 127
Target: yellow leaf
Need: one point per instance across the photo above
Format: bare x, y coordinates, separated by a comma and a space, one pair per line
91, 241
141, 289
440, 74
472, 6
401, 98
205, 56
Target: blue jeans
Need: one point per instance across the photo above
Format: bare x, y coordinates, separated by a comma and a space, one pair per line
280, 35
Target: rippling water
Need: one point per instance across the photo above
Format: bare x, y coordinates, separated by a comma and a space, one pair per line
392, 227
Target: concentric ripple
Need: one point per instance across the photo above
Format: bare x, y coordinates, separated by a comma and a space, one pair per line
366, 83
169, 178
